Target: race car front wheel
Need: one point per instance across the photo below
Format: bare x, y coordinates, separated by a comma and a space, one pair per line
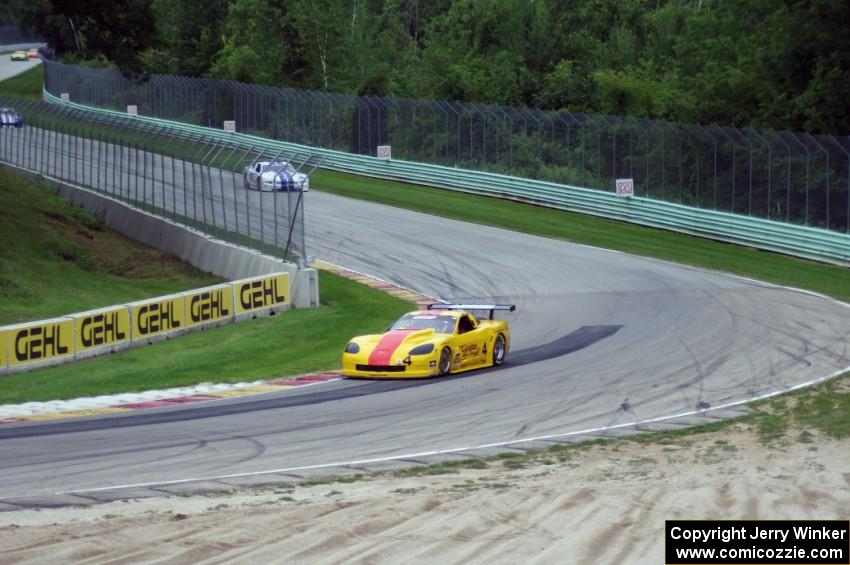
499, 350
445, 364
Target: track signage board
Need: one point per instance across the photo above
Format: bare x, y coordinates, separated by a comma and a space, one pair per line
40, 342
160, 316
104, 328
211, 304
625, 187
261, 293
4, 350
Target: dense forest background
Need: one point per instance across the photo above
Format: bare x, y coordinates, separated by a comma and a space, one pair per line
783, 64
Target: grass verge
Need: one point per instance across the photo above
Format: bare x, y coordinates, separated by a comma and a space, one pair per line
56, 259
834, 281
299, 341
25, 85
526, 218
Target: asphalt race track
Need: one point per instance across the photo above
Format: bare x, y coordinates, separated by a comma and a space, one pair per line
600, 338
9, 68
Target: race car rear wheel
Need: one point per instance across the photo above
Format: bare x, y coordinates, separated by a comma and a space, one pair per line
445, 364
499, 350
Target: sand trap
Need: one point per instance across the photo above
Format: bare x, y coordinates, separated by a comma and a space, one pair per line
602, 505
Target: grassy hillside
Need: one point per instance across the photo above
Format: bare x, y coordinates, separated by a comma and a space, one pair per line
25, 85
56, 259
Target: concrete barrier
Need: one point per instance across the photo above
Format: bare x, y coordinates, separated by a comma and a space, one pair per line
220, 258
39, 344
4, 351
223, 259
261, 296
105, 330
158, 318
152, 320
28, 346
209, 307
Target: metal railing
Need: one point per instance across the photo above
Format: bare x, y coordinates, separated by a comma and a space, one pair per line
792, 239
183, 176
777, 175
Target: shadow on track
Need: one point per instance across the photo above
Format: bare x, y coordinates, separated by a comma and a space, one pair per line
577, 340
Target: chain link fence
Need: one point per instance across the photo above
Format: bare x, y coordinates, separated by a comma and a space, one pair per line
186, 178
777, 175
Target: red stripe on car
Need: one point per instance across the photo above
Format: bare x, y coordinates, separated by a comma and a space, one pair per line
383, 352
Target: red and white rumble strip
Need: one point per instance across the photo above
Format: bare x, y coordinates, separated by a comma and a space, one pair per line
93, 406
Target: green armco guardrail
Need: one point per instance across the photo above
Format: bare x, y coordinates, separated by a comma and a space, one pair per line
791, 239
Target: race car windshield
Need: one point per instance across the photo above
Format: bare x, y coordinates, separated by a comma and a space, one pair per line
279, 167
440, 324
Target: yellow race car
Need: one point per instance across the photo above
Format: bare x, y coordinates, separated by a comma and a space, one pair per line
445, 338
19, 56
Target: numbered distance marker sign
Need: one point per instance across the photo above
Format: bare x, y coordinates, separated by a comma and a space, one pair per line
625, 187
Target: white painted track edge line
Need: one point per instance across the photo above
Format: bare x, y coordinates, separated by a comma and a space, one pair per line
459, 449
379, 279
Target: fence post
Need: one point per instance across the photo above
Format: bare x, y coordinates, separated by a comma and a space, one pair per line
841, 147
769, 166
825, 152
808, 159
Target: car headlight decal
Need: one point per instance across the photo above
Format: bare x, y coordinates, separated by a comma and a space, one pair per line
423, 349
352, 348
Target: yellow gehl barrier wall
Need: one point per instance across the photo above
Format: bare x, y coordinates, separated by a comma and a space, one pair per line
106, 330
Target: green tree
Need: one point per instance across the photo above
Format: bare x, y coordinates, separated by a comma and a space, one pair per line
190, 33
119, 30
257, 44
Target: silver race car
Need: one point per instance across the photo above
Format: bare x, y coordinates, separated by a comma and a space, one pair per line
271, 176
10, 118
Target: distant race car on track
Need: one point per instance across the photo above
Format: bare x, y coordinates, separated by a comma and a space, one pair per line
19, 56
10, 118
445, 338
32, 53
275, 176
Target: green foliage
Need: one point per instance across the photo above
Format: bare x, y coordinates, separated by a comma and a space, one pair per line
190, 35
118, 30
828, 412
783, 64
25, 85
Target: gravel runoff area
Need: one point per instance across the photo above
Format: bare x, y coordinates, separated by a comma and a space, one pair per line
604, 504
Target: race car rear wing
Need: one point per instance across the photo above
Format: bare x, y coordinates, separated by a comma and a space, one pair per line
489, 307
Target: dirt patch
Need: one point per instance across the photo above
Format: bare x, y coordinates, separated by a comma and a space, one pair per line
604, 504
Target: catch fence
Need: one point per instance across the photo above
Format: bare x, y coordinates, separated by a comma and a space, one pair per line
189, 178
784, 176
